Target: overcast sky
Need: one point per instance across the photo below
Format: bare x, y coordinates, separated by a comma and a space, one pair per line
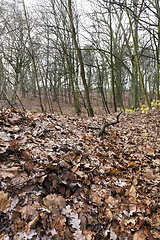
81, 3
29, 2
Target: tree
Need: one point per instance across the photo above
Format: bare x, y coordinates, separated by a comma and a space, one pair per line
13, 49
32, 56
68, 53
79, 55
134, 38
111, 55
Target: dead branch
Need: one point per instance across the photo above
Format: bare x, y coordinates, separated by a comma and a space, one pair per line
104, 126
107, 125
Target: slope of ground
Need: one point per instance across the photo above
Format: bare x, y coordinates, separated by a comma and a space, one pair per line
59, 181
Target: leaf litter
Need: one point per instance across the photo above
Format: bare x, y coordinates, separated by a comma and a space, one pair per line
60, 181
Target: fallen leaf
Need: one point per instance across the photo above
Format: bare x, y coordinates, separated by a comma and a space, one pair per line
29, 210
54, 203
132, 191
149, 151
31, 224
88, 234
4, 202
96, 199
8, 172
109, 215
139, 235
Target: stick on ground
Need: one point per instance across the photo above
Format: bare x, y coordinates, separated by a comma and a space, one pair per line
107, 125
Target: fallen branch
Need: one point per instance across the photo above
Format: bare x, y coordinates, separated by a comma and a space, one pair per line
104, 126
107, 125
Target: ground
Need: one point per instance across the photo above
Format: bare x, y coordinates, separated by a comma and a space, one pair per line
32, 104
60, 181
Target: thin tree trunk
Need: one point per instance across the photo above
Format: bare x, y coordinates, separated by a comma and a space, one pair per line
32, 56
15, 89
137, 61
68, 58
158, 50
100, 86
111, 55
79, 55
135, 71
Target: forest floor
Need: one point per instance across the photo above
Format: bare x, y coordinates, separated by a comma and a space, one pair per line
60, 181
32, 104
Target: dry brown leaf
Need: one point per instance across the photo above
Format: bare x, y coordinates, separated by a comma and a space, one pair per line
113, 203
74, 169
132, 206
106, 168
109, 214
54, 203
19, 224
13, 129
29, 210
132, 191
149, 151
31, 224
60, 222
156, 234
8, 172
14, 120
4, 202
139, 235
82, 174
149, 174
96, 199
88, 234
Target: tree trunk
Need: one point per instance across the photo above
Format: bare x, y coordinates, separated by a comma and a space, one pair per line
137, 61
79, 55
111, 55
32, 56
158, 50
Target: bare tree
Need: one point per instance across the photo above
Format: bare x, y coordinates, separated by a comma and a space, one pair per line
79, 55
32, 56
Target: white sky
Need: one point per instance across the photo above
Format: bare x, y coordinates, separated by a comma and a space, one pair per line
28, 2
80, 3
82, 6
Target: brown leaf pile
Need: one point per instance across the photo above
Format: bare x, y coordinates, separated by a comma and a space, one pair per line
59, 181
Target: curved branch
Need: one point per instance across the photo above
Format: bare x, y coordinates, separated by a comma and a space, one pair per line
107, 125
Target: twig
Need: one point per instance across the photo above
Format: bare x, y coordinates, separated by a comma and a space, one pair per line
21, 103
12, 106
107, 125
8, 99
